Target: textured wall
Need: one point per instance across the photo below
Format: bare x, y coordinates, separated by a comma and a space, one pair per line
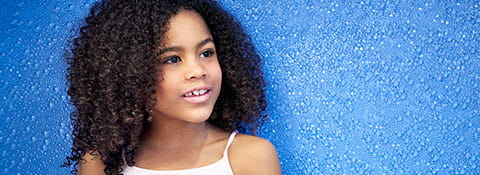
360, 87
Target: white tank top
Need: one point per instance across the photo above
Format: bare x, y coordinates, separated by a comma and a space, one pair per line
220, 167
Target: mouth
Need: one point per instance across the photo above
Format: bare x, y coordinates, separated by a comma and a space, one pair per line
197, 95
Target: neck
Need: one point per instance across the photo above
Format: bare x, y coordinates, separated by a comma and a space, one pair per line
166, 133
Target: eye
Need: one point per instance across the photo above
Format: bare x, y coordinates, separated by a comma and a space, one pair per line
172, 60
206, 54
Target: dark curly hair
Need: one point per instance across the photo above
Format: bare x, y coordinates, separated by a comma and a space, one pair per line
113, 69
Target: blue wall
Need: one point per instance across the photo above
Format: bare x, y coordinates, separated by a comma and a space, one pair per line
359, 87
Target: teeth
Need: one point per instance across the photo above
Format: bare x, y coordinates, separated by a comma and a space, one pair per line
198, 92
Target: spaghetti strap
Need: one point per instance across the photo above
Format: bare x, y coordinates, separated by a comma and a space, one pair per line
229, 142
221, 166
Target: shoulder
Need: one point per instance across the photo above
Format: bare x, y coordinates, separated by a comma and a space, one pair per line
253, 155
91, 163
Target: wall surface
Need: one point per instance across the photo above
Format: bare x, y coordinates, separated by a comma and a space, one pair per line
356, 87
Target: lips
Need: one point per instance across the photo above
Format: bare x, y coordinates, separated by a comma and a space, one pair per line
197, 95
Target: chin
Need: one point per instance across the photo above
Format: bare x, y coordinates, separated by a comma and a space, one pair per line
198, 116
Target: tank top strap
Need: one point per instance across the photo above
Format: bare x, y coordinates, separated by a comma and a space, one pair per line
229, 142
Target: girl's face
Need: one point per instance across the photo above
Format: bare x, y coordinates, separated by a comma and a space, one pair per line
191, 77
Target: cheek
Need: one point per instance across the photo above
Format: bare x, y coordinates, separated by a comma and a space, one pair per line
216, 71
164, 84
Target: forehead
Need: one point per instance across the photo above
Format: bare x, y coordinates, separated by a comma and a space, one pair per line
186, 27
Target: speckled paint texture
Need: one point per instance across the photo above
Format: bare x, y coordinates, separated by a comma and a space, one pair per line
357, 87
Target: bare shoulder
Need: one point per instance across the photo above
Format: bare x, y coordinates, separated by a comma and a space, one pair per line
91, 164
253, 155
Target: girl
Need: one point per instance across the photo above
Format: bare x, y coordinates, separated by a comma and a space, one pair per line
161, 87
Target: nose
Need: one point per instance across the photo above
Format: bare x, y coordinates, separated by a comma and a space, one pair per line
195, 70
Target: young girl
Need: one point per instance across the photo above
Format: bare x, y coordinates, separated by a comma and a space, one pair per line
162, 87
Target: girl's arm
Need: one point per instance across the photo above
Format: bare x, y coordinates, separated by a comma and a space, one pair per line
91, 164
252, 155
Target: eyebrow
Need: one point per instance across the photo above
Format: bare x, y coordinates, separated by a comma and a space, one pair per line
176, 48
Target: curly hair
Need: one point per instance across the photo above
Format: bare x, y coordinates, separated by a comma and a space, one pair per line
113, 70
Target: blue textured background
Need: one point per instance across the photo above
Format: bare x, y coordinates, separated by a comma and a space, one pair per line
358, 87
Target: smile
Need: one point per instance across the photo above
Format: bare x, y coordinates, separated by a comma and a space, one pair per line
197, 95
